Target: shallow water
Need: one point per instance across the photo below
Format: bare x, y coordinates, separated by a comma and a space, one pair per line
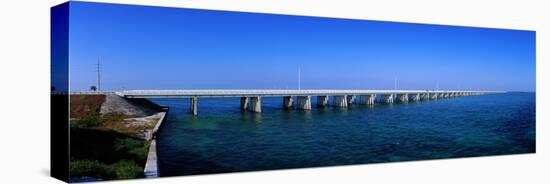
224, 139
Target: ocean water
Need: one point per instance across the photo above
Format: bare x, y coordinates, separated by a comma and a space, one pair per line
224, 139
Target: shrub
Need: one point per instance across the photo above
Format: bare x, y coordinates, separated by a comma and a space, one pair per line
88, 122
89, 168
126, 169
136, 148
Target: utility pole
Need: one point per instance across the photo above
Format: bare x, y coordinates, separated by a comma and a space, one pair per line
98, 70
437, 86
394, 83
299, 78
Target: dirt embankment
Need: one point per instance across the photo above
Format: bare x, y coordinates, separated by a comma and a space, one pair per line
94, 105
85, 105
115, 104
133, 117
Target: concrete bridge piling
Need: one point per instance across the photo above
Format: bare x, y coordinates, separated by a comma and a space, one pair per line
322, 101
386, 98
367, 99
255, 104
194, 105
303, 102
340, 101
351, 99
403, 98
414, 97
424, 96
287, 102
244, 103
433, 96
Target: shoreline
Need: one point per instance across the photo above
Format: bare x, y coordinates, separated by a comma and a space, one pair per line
151, 165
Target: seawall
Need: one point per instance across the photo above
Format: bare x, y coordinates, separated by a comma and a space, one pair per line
151, 166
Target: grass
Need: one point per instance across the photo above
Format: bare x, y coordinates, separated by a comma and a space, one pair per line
88, 122
135, 148
106, 154
114, 122
124, 169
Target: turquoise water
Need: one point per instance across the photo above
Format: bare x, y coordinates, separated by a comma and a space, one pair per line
224, 139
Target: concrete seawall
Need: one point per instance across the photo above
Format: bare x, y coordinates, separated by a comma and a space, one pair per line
151, 166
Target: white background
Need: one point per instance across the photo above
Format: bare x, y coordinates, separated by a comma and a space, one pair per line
24, 88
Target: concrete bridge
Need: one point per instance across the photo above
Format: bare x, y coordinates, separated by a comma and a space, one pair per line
251, 99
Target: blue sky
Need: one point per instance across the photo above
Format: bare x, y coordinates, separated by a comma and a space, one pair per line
173, 48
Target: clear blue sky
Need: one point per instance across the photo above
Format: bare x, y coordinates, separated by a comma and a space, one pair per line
172, 48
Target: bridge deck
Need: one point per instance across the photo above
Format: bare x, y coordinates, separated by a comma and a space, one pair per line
250, 93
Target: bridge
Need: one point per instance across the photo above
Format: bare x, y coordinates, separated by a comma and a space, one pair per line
251, 99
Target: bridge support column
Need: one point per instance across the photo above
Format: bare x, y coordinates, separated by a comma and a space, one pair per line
322, 101
372, 99
367, 99
439, 95
340, 101
287, 102
433, 96
244, 103
351, 99
403, 97
255, 104
424, 96
194, 105
303, 102
415, 97
387, 98
447, 95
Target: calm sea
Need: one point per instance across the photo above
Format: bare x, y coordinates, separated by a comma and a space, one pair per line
224, 139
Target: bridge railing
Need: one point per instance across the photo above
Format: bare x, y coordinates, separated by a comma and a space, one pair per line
82, 92
274, 92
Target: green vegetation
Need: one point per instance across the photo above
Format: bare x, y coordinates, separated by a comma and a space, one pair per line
114, 122
88, 122
95, 121
106, 154
123, 169
105, 146
133, 147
